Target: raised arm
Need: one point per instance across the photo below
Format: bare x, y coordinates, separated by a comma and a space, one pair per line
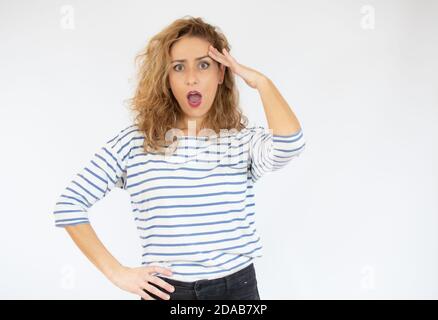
281, 119
280, 116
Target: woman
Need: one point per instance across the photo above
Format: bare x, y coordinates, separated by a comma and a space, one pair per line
189, 163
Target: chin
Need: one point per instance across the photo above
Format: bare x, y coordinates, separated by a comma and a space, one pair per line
199, 111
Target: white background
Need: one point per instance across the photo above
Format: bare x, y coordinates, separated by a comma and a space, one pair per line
355, 216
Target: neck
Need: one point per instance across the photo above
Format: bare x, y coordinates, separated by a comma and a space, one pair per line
191, 126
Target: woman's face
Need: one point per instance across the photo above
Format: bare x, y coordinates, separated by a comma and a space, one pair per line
189, 73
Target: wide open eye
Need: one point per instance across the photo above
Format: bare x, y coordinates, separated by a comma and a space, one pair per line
205, 62
202, 62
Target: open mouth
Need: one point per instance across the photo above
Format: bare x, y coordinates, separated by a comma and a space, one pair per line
194, 98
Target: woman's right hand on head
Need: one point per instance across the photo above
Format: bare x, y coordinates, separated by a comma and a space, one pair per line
136, 280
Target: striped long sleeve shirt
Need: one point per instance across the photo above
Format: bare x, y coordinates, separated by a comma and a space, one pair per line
194, 209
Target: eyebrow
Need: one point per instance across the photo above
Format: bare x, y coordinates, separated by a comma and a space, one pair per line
182, 60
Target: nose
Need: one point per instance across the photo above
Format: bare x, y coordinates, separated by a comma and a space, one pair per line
191, 77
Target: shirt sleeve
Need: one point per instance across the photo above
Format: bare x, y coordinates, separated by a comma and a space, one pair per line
269, 152
103, 172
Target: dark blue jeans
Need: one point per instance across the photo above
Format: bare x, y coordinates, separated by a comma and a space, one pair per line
241, 285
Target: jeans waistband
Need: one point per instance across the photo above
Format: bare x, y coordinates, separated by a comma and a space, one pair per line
191, 285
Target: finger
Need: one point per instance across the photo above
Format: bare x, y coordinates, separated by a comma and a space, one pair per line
144, 295
229, 60
162, 270
228, 55
155, 291
160, 282
217, 56
216, 52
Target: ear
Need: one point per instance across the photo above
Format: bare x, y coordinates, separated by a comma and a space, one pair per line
221, 73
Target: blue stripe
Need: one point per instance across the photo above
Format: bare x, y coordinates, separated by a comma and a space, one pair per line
106, 173
87, 203
114, 158
197, 252
288, 136
185, 178
122, 137
187, 169
68, 203
219, 271
86, 190
208, 204
67, 211
195, 234
164, 161
188, 187
185, 156
74, 219
106, 162
91, 183
122, 131
197, 243
214, 258
96, 175
197, 154
190, 196
179, 146
123, 146
71, 224
198, 265
286, 141
191, 215
194, 224
73, 198
219, 264
292, 150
